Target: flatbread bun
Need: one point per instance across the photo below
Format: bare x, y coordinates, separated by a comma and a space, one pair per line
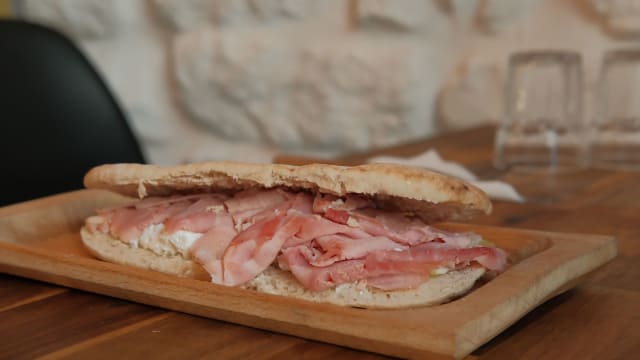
426, 194
437, 290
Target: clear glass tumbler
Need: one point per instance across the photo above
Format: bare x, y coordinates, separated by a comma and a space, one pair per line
543, 126
615, 129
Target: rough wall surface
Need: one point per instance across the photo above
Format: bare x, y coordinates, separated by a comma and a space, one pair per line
244, 79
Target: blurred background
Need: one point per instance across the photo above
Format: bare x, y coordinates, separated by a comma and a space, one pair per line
247, 79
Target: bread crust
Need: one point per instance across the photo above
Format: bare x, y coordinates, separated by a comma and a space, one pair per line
426, 194
274, 281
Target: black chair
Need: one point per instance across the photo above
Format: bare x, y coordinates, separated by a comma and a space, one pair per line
57, 116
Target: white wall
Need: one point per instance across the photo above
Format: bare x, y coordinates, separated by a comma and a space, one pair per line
244, 79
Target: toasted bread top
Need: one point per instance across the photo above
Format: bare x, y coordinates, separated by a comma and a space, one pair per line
426, 194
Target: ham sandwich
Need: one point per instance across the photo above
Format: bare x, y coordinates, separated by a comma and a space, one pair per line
313, 231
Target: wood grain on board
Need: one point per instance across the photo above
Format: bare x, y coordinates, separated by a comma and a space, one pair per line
542, 264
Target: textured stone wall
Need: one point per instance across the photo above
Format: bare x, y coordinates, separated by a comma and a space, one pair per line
244, 79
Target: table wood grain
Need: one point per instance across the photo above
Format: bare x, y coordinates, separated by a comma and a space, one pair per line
599, 319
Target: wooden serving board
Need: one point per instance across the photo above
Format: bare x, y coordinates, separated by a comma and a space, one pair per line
39, 240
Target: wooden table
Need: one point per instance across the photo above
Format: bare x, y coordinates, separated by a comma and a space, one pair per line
600, 319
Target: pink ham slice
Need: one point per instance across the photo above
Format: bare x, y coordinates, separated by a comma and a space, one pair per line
321, 278
399, 228
389, 270
495, 260
211, 245
340, 247
418, 260
128, 223
199, 217
375, 227
315, 226
300, 203
244, 205
322, 241
254, 249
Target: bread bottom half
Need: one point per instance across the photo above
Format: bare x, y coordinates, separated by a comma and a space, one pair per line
436, 290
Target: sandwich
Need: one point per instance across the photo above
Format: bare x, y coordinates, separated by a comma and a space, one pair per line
360, 236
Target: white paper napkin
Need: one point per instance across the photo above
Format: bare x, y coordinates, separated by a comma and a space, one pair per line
431, 160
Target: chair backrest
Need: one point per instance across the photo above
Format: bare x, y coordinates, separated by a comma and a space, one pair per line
57, 116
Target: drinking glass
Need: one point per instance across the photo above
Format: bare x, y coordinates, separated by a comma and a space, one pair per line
615, 129
542, 127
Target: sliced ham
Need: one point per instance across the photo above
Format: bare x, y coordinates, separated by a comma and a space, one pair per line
212, 244
423, 260
302, 203
199, 217
248, 217
128, 223
403, 229
315, 226
399, 228
250, 208
460, 240
214, 268
321, 278
242, 258
323, 240
339, 216
254, 249
244, 204
495, 260
339, 247
388, 270
373, 226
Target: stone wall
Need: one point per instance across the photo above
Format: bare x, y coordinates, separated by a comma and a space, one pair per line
244, 79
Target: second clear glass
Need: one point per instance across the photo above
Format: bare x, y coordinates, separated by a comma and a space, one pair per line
542, 126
